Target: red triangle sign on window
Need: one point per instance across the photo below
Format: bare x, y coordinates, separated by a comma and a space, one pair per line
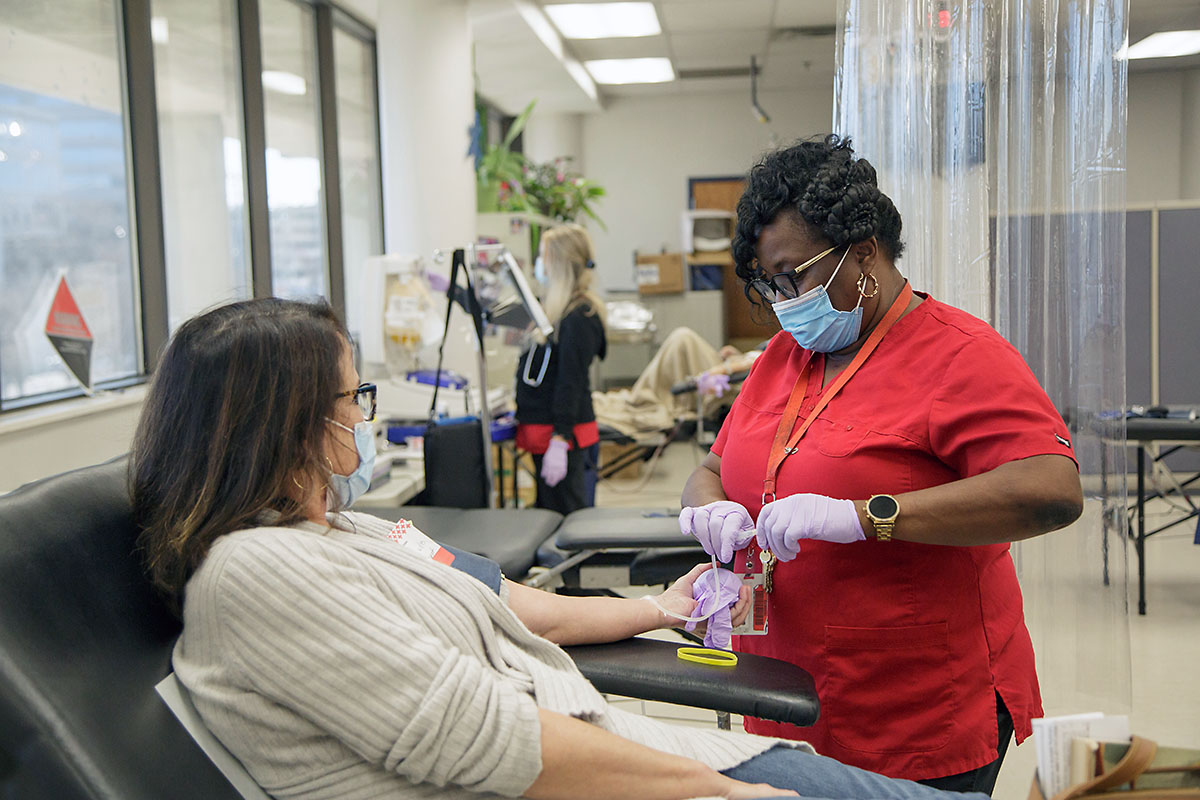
69, 333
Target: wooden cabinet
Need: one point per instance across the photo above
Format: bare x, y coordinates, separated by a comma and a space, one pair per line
742, 321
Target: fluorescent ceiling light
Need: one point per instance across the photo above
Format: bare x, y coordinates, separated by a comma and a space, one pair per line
160, 32
631, 70
284, 82
1166, 44
605, 20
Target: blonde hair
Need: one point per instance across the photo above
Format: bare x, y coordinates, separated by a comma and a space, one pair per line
567, 253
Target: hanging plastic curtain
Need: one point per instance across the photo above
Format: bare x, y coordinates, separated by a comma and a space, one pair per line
998, 128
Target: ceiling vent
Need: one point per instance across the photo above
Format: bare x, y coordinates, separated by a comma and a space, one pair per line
803, 32
713, 72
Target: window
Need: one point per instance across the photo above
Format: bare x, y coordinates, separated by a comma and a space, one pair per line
223, 165
201, 154
64, 206
358, 159
293, 149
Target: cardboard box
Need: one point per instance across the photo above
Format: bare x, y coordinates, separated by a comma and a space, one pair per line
660, 274
611, 451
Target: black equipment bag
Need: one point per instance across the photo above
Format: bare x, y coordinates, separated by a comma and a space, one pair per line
455, 467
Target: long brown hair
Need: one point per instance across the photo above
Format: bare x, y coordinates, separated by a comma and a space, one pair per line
232, 426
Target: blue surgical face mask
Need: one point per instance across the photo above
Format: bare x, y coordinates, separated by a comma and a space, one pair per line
815, 324
351, 487
539, 270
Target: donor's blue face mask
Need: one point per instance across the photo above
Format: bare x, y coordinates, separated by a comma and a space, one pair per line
351, 487
815, 324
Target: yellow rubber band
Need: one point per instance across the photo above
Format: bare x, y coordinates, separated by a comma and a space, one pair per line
705, 655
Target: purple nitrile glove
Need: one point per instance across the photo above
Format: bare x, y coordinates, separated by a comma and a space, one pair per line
722, 527
554, 462
715, 383
783, 523
437, 281
705, 593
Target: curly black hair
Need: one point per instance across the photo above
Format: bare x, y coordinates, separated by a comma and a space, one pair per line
821, 181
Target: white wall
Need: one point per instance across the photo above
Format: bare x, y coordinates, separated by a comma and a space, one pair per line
1155, 137
643, 150
65, 436
1164, 136
426, 107
551, 136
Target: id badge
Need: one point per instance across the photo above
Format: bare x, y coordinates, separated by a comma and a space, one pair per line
410, 537
755, 577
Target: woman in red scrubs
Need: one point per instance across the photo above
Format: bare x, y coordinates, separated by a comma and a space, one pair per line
882, 454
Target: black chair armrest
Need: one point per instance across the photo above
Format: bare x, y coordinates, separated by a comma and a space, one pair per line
648, 669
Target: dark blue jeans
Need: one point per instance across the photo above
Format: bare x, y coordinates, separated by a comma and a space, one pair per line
821, 778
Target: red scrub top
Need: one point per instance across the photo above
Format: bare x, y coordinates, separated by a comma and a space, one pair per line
907, 642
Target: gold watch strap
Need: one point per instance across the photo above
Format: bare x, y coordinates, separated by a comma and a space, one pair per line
883, 527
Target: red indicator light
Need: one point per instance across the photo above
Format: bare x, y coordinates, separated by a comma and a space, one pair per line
944, 19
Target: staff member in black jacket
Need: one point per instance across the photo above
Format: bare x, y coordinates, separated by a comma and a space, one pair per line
555, 420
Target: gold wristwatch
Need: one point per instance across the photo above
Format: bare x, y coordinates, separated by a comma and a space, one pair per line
882, 510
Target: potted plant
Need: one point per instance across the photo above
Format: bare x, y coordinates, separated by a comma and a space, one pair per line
499, 171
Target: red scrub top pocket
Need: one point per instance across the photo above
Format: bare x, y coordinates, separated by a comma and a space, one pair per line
892, 685
839, 439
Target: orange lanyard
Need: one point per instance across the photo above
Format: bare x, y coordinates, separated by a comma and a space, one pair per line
784, 445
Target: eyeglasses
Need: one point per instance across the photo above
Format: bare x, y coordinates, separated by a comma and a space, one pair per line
783, 285
364, 398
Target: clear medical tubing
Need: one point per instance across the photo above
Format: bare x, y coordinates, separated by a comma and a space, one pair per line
998, 128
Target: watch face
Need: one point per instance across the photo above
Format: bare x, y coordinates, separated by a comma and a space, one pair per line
883, 506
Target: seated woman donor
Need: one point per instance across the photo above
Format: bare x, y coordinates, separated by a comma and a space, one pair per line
882, 454
338, 656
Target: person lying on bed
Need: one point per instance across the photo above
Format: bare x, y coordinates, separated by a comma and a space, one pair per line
338, 655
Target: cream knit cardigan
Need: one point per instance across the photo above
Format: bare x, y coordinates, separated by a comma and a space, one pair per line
335, 663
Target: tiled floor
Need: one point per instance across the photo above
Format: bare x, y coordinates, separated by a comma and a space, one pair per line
1083, 659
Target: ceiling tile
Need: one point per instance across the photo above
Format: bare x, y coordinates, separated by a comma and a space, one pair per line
805, 13
637, 47
717, 48
715, 15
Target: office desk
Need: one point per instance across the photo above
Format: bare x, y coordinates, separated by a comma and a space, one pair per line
1146, 431
406, 482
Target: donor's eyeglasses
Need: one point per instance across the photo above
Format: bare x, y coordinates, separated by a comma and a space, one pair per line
364, 398
783, 285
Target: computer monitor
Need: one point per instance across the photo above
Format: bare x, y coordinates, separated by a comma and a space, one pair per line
507, 298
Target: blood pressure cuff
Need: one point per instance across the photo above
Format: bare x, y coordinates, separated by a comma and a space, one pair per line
482, 569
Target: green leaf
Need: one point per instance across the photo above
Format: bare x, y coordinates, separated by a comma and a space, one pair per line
518, 125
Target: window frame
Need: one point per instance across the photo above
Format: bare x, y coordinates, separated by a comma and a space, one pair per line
144, 171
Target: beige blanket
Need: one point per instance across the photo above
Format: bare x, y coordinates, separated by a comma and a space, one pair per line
649, 405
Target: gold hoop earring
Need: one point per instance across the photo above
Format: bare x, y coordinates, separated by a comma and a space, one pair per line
862, 285
298, 486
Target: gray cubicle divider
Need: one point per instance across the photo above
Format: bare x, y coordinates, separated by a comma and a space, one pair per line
1179, 315
1138, 317
1162, 287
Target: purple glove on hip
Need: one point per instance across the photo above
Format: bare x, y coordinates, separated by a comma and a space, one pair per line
722, 528
722, 588
712, 383
783, 523
554, 462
